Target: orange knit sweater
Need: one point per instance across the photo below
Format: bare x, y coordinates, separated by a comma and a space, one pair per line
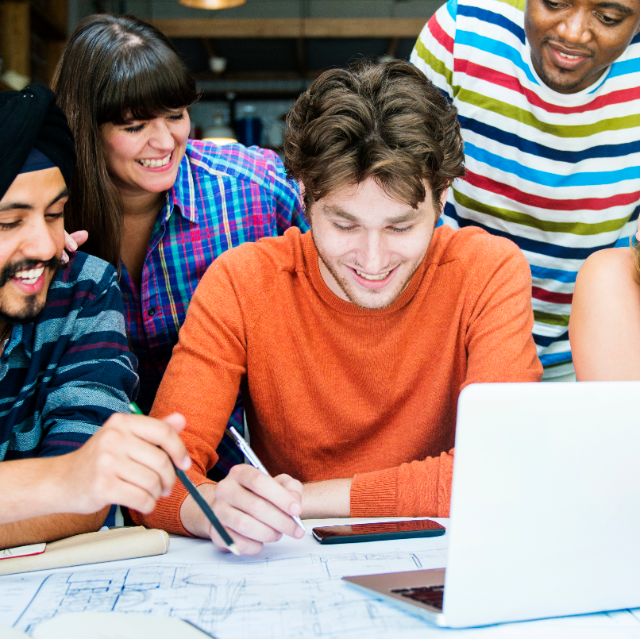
333, 390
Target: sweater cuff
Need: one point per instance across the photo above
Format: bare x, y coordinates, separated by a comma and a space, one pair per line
166, 514
375, 494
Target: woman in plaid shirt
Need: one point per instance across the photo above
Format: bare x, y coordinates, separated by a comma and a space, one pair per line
158, 206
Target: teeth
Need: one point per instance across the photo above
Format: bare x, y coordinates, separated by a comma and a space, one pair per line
154, 164
31, 276
372, 277
570, 57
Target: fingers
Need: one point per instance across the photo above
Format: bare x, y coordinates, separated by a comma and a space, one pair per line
246, 545
157, 433
69, 243
256, 508
156, 462
72, 242
135, 452
144, 480
134, 497
79, 237
274, 491
251, 516
292, 485
176, 421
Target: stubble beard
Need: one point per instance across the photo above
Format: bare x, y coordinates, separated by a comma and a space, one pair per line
556, 86
345, 286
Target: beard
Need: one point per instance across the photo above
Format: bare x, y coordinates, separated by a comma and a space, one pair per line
32, 306
347, 287
559, 87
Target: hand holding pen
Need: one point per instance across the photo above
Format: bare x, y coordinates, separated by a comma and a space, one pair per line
255, 508
252, 458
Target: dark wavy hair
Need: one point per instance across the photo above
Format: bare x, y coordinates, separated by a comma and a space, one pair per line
386, 121
113, 69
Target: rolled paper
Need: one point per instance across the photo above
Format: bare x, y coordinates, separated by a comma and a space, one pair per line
92, 548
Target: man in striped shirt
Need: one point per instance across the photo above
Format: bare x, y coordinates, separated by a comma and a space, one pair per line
548, 101
65, 367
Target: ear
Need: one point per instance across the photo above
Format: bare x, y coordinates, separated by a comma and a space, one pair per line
443, 200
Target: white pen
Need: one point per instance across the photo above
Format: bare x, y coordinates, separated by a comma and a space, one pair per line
242, 444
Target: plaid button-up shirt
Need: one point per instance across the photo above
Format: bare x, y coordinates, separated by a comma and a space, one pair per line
223, 196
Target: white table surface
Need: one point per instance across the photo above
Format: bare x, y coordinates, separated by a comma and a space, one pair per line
291, 590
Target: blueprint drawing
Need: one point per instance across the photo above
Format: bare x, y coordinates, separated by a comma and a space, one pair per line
293, 590
284, 597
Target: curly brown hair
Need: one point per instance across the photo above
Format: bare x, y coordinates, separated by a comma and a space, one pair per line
384, 121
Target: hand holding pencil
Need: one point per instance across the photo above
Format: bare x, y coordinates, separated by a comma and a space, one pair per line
246, 509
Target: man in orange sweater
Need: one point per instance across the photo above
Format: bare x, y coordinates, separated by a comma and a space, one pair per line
351, 342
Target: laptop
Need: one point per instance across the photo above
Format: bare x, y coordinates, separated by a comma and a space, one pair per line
545, 508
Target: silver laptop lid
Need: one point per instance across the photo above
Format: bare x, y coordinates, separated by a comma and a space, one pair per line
545, 512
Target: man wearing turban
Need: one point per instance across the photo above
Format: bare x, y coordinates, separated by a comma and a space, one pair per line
67, 447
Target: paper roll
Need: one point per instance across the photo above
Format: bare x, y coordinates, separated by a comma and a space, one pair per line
92, 548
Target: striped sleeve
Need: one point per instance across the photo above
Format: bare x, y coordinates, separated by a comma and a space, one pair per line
433, 51
95, 375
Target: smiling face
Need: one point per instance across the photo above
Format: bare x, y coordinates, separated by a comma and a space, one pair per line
31, 242
369, 245
574, 41
144, 156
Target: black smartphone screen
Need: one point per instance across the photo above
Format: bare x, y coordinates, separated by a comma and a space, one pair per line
378, 531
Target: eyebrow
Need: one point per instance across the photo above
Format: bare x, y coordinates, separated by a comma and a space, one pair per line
405, 217
616, 7
23, 206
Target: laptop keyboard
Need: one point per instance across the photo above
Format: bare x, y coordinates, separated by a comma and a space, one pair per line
429, 595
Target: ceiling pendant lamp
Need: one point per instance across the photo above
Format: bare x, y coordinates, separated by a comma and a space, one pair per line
211, 4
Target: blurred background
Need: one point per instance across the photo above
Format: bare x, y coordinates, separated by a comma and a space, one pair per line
250, 60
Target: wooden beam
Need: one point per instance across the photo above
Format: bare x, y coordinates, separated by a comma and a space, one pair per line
228, 28
363, 27
291, 27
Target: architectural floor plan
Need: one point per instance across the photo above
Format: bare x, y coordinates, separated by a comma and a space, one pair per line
293, 590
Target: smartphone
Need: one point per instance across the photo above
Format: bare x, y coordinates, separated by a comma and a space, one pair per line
378, 531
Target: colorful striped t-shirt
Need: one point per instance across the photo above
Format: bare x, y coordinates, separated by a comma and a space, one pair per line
556, 173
